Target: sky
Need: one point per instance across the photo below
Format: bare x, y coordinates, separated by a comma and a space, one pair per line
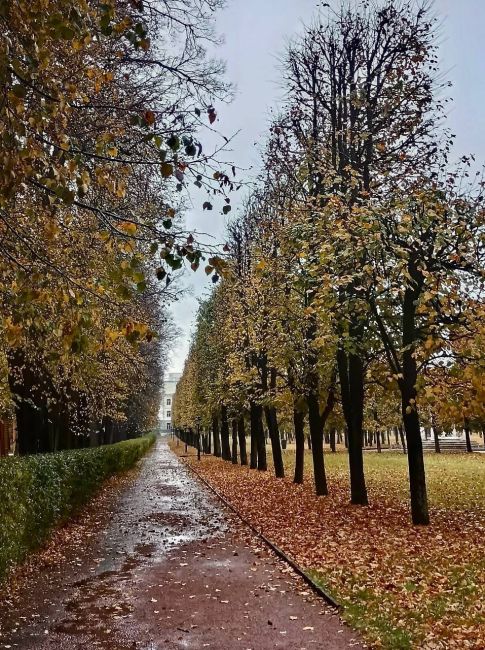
256, 33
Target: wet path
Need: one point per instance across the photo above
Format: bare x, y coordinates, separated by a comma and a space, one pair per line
169, 569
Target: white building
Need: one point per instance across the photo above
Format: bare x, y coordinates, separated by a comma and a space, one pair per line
169, 385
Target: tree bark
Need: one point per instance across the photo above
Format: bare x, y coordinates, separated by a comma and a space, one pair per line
274, 434
332, 440
234, 442
271, 417
258, 442
208, 441
241, 431
407, 385
436, 437
216, 436
226, 447
467, 436
260, 439
417, 475
316, 436
298, 422
31, 413
4, 446
351, 375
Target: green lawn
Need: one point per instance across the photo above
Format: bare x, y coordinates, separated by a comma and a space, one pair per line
453, 480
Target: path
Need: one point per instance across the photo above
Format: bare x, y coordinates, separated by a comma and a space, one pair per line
171, 569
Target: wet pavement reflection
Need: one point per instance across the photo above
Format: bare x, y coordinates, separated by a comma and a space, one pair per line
166, 508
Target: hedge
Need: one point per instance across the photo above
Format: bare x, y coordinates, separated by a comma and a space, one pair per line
39, 492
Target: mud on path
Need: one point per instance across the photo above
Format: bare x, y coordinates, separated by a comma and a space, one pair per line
163, 565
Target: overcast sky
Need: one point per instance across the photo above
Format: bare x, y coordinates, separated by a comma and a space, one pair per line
256, 33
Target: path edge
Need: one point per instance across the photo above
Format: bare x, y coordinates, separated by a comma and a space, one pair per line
276, 549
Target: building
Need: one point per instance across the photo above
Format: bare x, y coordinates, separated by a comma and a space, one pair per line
169, 386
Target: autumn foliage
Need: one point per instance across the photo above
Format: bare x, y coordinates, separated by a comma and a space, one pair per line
352, 298
100, 105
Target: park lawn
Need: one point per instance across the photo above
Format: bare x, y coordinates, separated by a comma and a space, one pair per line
401, 586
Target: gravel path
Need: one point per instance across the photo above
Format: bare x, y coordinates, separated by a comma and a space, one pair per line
163, 565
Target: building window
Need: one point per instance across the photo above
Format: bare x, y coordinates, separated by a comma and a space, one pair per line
169, 414
169, 426
169, 401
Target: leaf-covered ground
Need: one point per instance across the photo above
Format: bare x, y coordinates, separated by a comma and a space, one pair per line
403, 586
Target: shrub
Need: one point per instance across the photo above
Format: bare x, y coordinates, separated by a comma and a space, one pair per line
41, 491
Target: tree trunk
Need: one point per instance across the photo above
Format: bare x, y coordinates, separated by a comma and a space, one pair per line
274, 434
260, 439
332, 440
436, 436
298, 422
467, 436
225, 444
403, 439
234, 442
407, 385
258, 443
208, 441
110, 432
316, 436
216, 436
273, 428
32, 426
417, 476
241, 431
4, 446
351, 375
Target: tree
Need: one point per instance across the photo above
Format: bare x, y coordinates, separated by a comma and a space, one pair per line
99, 113
426, 278
360, 95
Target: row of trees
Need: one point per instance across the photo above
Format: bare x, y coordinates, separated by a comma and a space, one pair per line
99, 111
354, 291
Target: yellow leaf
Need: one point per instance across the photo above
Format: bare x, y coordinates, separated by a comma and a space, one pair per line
128, 227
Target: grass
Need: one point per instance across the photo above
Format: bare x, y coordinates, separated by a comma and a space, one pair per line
456, 486
401, 586
462, 475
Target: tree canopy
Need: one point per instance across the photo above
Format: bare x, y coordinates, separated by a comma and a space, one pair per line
355, 283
